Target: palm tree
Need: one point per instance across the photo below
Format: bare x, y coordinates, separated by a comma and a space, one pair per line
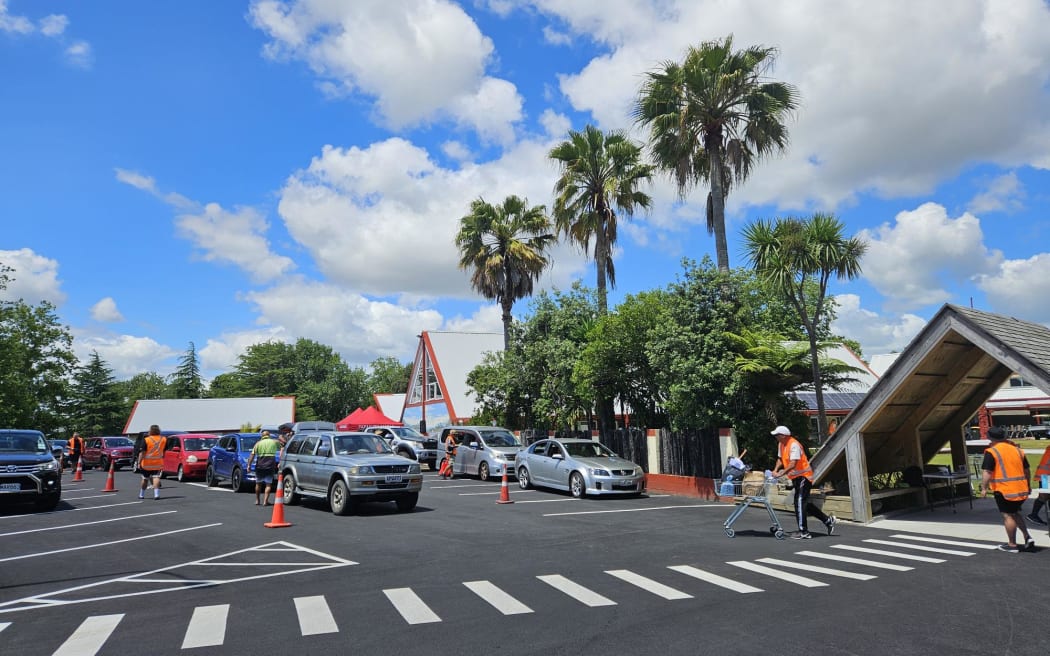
712, 117
600, 175
504, 245
790, 254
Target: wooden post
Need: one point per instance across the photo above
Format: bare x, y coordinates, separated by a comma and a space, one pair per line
857, 471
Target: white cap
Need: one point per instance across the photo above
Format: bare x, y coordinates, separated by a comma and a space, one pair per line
780, 430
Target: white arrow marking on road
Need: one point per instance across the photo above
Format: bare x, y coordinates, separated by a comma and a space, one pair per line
576, 591
315, 617
497, 598
649, 585
89, 636
207, 627
411, 606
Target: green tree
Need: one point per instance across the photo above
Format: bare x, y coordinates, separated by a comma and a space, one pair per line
504, 248
96, 405
228, 385
712, 117
389, 376
267, 369
141, 386
599, 176
789, 255
326, 388
186, 380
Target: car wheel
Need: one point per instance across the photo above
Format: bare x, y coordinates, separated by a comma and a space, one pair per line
407, 502
237, 480
576, 485
180, 475
406, 454
103, 463
291, 497
339, 498
209, 477
483, 471
523, 479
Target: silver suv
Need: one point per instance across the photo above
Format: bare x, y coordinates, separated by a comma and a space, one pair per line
483, 451
28, 470
348, 468
407, 442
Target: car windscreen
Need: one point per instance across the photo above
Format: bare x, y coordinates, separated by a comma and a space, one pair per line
406, 433
114, 442
199, 443
500, 438
351, 444
587, 450
247, 443
23, 442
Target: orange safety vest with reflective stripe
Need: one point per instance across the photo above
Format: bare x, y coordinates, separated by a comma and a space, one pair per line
802, 467
1008, 477
1044, 465
153, 454
76, 445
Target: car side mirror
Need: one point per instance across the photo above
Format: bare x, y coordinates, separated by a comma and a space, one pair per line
475, 445
324, 451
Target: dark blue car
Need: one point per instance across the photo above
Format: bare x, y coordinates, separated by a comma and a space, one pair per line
227, 460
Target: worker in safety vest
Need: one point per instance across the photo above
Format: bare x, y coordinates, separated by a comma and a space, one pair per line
794, 464
1006, 473
76, 449
151, 461
1042, 470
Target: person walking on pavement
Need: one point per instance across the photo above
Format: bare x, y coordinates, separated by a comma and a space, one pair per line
76, 450
264, 453
151, 461
1006, 473
794, 464
450, 454
1042, 470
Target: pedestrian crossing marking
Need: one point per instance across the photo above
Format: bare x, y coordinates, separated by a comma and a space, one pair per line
89, 636
777, 574
816, 569
315, 617
411, 606
649, 585
891, 554
4, 625
954, 543
919, 547
581, 594
856, 561
497, 598
721, 581
207, 627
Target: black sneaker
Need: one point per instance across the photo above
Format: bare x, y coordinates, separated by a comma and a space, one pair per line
1035, 519
1009, 549
1029, 545
830, 524
801, 535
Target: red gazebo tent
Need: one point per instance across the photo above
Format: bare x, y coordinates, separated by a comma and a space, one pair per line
348, 420
370, 416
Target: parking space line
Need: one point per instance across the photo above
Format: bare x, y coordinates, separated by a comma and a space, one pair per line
55, 512
891, 554
956, 543
919, 547
106, 544
817, 569
715, 579
649, 585
315, 617
410, 606
89, 636
856, 561
625, 510
496, 491
101, 521
215, 488
576, 591
452, 487
93, 496
207, 627
497, 598
547, 500
777, 574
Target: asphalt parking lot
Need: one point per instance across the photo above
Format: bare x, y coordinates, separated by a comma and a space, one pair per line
196, 571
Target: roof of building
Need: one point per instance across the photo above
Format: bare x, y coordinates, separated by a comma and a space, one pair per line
454, 356
198, 415
390, 405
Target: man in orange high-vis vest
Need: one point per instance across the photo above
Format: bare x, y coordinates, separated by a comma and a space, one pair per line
794, 464
151, 461
1006, 473
1042, 470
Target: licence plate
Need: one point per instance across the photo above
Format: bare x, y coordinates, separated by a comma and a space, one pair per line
393, 478
624, 484
10, 486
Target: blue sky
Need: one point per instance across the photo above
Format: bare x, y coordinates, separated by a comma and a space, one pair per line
231, 172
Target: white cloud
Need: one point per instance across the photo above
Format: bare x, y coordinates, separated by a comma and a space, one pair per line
127, 355
34, 279
556, 37
1019, 288
12, 23
422, 60
876, 333
53, 25
1003, 194
457, 150
106, 311
554, 124
912, 261
79, 54
488, 319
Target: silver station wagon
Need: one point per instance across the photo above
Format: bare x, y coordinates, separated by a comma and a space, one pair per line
348, 469
581, 467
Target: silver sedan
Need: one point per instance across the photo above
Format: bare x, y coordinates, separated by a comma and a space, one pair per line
580, 467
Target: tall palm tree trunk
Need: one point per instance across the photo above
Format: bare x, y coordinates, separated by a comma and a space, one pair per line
507, 303
601, 261
818, 388
718, 202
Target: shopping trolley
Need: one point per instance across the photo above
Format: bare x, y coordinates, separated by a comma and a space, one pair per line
755, 492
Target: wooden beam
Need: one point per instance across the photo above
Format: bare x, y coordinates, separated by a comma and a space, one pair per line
857, 472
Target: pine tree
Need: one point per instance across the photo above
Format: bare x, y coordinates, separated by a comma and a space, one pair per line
186, 380
96, 406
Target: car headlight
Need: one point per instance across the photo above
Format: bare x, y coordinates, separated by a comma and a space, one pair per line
191, 459
638, 471
361, 469
599, 472
414, 469
47, 466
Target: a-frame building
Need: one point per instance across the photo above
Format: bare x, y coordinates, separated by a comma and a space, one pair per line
927, 396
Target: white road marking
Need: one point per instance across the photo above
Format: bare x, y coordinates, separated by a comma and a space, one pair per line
215, 488
497, 598
315, 617
497, 491
777, 574
891, 554
4, 625
411, 606
576, 591
89, 636
106, 544
548, 501
624, 510
649, 585
55, 512
856, 561
919, 547
92, 496
453, 487
721, 581
101, 521
207, 627
955, 543
816, 569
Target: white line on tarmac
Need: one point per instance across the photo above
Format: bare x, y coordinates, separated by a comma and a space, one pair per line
891, 554
214, 489
315, 617
93, 496
207, 627
649, 585
479, 494
55, 512
101, 521
89, 636
918, 547
581, 594
777, 574
410, 606
919, 538
497, 598
721, 581
547, 500
450, 487
817, 569
623, 510
4, 625
105, 544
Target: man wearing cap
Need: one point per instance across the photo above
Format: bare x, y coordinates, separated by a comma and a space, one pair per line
1006, 472
794, 464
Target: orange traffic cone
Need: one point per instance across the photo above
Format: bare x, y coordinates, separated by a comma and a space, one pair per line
109, 479
504, 491
78, 474
277, 521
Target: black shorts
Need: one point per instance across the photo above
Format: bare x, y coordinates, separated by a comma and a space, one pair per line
1006, 506
149, 473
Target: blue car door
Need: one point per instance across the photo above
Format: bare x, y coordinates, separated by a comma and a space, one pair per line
225, 457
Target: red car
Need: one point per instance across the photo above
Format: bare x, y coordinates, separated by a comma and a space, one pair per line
101, 451
186, 454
